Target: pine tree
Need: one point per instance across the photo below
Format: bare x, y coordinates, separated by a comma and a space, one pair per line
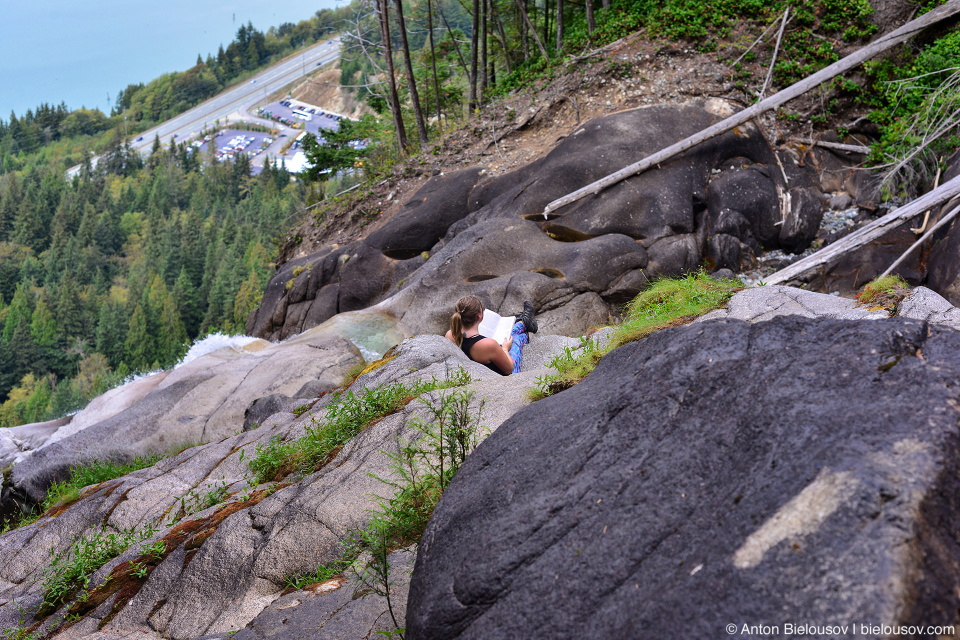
10, 197
28, 228
247, 299
172, 339
139, 344
43, 326
111, 334
7, 369
69, 310
19, 311
26, 356
185, 296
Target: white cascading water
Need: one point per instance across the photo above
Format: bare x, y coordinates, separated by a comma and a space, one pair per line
213, 342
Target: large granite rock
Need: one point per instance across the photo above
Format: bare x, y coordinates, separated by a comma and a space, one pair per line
765, 303
465, 233
205, 399
796, 470
226, 566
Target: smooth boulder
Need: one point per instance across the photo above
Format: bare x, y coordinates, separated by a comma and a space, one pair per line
800, 470
717, 203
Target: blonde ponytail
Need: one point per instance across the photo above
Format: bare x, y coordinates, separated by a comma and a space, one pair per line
456, 328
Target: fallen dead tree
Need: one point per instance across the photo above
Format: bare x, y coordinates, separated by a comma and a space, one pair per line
869, 232
944, 220
879, 46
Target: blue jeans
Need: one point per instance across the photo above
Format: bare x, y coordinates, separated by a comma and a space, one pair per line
520, 338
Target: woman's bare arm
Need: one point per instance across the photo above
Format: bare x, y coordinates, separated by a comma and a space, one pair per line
489, 351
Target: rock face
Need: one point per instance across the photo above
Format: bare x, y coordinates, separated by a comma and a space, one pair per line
227, 564
203, 400
765, 303
464, 233
800, 470
337, 609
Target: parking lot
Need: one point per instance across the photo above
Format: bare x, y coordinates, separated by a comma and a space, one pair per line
232, 142
303, 116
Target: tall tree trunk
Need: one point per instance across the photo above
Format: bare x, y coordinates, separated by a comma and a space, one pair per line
392, 81
484, 44
474, 52
433, 59
503, 42
524, 28
484, 37
533, 31
411, 81
559, 26
546, 22
606, 4
456, 45
591, 24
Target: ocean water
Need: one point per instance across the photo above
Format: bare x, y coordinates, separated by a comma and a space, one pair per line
84, 53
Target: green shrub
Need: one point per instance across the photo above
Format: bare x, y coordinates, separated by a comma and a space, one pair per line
346, 416
423, 467
193, 502
914, 99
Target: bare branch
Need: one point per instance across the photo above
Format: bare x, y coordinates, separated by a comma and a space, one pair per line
776, 50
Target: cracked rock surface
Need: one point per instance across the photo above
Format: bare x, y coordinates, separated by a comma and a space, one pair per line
200, 401
227, 564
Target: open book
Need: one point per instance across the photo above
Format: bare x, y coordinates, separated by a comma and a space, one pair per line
496, 326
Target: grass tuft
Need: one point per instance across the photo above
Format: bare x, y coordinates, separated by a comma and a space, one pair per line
346, 416
63, 493
69, 572
669, 302
884, 294
91, 473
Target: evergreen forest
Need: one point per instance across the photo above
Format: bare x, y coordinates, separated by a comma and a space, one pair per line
117, 270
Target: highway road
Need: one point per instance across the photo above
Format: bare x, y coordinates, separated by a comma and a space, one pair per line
237, 98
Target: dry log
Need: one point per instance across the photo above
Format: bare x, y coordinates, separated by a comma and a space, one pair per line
869, 232
944, 220
878, 46
776, 50
839, 146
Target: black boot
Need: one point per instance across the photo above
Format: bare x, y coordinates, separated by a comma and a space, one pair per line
527, 317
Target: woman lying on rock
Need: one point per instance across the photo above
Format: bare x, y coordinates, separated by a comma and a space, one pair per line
502, 358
